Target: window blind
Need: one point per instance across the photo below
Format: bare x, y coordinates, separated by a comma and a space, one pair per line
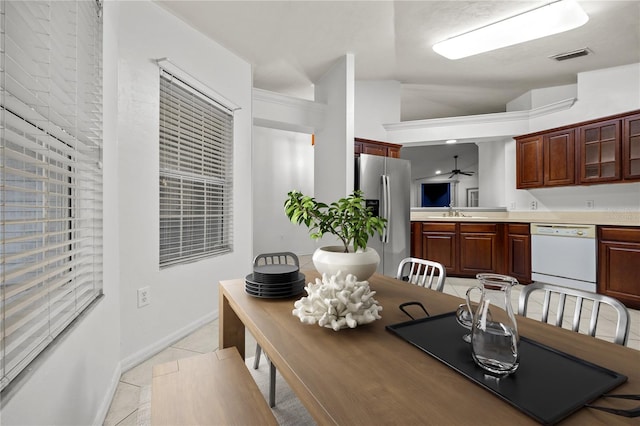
196, 154
51, 179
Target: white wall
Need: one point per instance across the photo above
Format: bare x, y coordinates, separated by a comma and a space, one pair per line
72, 382
377, 103
333, 161
182, 297
491, 173
282, 161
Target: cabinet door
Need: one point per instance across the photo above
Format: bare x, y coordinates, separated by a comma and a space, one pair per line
529, 160
559, 158
631, 147
599, 146
416, 240
374, 149
393, 152
618, 260
519, 252
439, 244
478, 249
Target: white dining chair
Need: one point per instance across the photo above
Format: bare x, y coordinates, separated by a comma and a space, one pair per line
280, 258
563, 294
424, 273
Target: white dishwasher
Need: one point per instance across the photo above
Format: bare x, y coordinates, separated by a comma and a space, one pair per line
564, 255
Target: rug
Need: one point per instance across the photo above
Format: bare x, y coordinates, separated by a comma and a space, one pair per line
288, 411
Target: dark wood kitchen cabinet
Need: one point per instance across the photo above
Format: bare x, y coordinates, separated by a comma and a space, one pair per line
479, 248
599, 147
605, 150
631, 147
618, 264
383, 149
529, 162
519, 252
469, 248
559, 158
546, 160
439, 243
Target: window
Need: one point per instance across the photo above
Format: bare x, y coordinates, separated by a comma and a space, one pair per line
196, 141
51, 192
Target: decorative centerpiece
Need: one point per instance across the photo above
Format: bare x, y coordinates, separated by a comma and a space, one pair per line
350, 221
337, 302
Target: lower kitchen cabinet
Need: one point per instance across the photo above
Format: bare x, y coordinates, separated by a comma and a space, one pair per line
439, 243
618, 264
479, 248
519, 252
466, 249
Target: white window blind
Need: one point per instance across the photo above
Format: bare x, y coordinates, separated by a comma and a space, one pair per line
51, 179
196, 153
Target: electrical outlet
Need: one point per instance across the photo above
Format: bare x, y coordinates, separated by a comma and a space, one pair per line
590, 204
534, 205
143, 296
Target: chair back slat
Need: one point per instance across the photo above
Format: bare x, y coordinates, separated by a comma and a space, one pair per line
280, 258
579, 296
422, 272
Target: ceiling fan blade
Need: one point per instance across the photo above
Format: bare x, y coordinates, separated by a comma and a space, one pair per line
467, 173
452, 175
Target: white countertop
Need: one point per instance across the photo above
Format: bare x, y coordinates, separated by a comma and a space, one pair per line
620, 218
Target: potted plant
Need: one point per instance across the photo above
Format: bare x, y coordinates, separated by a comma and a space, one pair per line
350, 221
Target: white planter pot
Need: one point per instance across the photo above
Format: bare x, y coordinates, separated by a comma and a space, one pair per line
331, 259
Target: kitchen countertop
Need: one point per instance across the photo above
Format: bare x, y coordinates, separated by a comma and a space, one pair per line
618, 217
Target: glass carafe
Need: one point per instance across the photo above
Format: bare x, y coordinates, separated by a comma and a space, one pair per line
494, 332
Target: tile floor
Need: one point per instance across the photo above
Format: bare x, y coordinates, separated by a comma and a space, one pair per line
123, 410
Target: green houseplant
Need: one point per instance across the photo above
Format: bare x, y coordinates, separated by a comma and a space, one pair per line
348, 218
350, 221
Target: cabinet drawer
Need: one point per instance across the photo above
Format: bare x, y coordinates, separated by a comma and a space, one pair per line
479, 227
519, 228
620, 234
438, 227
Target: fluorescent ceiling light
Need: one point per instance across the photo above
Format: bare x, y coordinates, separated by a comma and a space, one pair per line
553, 18
452, 141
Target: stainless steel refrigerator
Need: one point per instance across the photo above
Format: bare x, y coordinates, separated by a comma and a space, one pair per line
386, 183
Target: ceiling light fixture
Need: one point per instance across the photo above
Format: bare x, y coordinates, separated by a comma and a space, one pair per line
438, 172
552, 18
451, 141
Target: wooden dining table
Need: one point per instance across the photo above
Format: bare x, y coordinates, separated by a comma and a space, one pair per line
369, 376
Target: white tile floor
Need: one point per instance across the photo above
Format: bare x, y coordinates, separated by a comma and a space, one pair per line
123, 410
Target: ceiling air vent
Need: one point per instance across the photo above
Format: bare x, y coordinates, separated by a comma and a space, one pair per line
570, 55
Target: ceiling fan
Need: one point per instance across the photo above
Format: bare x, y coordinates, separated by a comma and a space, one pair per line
456, 171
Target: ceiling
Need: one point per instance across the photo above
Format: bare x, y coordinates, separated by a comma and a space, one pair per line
291, 44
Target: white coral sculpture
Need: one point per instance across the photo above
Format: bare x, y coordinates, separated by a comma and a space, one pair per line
336, 302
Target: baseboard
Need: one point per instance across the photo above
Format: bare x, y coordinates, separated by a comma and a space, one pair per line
103, 409
158, 346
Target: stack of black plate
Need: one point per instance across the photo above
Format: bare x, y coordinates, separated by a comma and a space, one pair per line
275, 281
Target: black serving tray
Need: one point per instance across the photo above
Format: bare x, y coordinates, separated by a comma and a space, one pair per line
549, 385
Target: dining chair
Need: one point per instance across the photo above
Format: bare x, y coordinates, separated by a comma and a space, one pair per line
424, 273
578, 296
279, 258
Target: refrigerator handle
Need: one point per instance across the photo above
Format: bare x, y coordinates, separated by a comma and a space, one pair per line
386, 201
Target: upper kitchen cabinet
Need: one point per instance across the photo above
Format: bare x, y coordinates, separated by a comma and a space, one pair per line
546, 159
529, 162
605, 150
631, 147
599, 145
383, 149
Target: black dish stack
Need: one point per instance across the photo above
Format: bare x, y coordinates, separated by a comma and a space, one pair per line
275, 281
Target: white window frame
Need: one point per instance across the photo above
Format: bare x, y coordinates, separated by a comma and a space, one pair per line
196, 171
